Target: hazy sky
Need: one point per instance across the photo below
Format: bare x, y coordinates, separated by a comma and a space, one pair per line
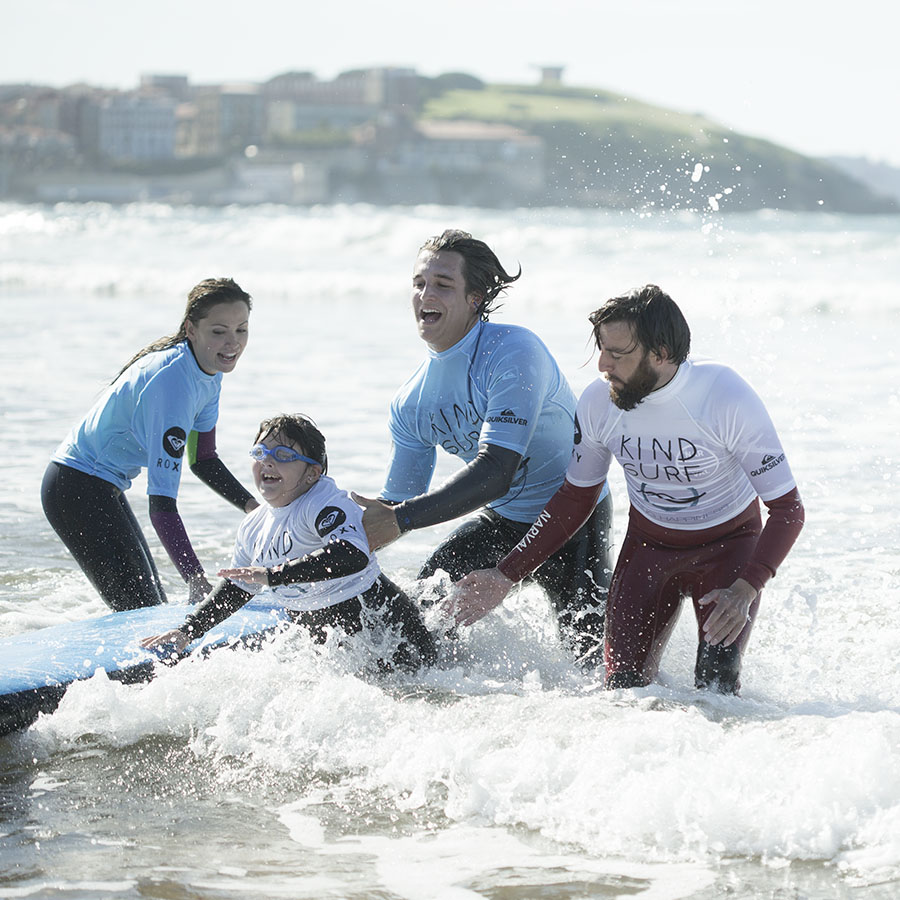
817, 76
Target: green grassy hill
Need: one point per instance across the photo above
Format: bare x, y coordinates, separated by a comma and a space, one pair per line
608, 151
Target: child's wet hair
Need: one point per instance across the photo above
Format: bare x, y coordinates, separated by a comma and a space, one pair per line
299, 430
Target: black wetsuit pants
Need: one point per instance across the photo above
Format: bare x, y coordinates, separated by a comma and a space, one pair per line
95, 521
575, 579
387, 604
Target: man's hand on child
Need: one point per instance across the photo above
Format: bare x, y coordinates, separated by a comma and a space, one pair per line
379, 521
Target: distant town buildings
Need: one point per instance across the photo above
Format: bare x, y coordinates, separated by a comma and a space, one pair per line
133, 128
364, 136
291, 139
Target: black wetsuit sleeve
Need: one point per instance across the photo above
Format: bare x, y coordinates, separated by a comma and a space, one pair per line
159, 503
215, 474
488, 477
222, 601
206, 465
337, 560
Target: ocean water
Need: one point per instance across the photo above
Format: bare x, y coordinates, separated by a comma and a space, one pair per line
503, 773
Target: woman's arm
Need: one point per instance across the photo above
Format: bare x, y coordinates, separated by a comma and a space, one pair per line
169, 526
206, 465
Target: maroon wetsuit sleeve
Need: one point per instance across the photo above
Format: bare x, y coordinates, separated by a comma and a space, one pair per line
206, 445
167, 521
566, 511
783, 524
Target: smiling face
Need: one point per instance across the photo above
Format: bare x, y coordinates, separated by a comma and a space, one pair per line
281, 483
444, 311
219, 339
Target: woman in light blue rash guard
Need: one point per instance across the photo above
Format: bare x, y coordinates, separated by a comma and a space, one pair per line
160, 410
494, 396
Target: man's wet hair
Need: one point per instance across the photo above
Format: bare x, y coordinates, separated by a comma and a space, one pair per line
301, 431
655, 319
484, 274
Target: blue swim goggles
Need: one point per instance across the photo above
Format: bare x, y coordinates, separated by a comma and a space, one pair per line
280, 454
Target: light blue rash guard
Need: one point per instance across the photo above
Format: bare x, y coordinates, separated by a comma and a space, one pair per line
499, 385
143, 420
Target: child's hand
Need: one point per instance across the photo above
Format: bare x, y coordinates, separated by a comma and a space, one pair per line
251, 574
175, 640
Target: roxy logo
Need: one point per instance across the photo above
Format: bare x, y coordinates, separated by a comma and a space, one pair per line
768, 462
508, 417
329, 519
174, 441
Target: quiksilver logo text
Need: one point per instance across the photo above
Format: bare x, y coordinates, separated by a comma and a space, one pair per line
768, 462
508, 417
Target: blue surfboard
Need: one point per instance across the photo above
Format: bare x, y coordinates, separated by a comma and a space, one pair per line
38, 666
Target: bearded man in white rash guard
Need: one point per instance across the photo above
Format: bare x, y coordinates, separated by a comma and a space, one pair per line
698, 449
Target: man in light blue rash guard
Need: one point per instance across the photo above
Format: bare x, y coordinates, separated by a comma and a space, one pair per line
494, 396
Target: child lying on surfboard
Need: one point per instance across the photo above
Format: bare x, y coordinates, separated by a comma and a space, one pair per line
306, 543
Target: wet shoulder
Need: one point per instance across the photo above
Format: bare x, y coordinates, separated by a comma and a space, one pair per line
709, 374
511, 336
173, 366
256, 518
514, 346
594, 404
331, 510
411, 386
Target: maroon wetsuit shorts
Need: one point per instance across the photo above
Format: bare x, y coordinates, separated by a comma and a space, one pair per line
656, 569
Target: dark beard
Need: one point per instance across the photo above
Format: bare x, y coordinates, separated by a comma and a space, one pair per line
642, 383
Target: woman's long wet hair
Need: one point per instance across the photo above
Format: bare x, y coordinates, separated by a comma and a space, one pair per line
201, 299
481, 269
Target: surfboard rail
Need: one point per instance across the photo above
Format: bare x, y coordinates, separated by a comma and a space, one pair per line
37, 667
